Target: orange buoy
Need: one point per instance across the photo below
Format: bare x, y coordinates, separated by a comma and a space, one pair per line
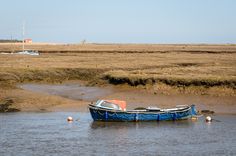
69, 119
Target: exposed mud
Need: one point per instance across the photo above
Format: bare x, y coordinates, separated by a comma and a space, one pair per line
134, 97
74, 91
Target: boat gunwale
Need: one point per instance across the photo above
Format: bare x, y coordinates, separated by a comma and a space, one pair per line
138, 111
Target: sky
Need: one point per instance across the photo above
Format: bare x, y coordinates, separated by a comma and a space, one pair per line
120, 21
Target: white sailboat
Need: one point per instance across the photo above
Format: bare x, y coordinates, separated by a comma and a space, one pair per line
26, 52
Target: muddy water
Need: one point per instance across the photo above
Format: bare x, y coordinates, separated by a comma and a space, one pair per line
50, 134
135, 98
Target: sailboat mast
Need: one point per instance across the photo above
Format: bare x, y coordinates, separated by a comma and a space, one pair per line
23, 40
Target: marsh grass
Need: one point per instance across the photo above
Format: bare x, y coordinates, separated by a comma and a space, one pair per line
121, 48
201, 66
175, 79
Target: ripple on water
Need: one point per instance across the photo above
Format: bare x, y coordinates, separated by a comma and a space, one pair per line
51, 134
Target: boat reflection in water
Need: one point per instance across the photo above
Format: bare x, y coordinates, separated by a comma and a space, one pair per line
141, 125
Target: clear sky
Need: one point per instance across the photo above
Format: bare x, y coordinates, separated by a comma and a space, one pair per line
120, 21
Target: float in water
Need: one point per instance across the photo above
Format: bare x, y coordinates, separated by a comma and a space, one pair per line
115, 110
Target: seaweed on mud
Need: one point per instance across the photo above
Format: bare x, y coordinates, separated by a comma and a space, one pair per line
6, 106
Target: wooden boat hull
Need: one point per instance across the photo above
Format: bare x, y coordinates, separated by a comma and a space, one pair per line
100, 114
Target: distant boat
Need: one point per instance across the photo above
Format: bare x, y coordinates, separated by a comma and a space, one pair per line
28, 52
115, 110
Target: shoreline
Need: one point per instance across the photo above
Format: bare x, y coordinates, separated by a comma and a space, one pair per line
30, 101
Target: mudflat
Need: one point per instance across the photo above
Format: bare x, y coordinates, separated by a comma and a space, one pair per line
157, 70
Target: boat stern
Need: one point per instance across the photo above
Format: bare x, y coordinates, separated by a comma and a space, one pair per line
193, 110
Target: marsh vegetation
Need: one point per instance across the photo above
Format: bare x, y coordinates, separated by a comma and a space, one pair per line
158, 69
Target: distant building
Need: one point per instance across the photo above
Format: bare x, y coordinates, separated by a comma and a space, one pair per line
28, 40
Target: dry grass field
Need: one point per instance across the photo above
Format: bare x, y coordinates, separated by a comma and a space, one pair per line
215, 66
197, 69
92, 47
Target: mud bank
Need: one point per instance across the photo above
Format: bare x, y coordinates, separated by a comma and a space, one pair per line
134, 97
181, 82
216, 87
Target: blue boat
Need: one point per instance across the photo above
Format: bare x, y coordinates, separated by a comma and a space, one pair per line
115, 110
